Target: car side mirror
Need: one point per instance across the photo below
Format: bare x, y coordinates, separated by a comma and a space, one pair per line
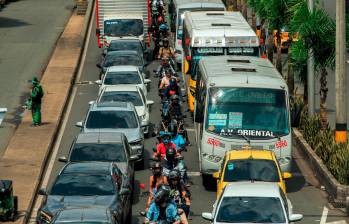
216, 175
286, 175
125, 191
42, 191
98, 82
147, 81
150, 102
79, 124
91, 102
295, 217
63, 159
207, 216
133, 158
99, 65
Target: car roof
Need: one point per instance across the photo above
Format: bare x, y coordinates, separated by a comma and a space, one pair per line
108, 106
122, 68
250, 154
251, 189
123, 52
121, 88
87, 168
84, 214
102, 137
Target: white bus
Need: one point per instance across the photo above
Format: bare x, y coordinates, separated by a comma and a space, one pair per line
214, 33
177, 15
241, 103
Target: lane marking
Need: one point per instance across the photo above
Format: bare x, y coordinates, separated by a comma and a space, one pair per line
49, 169
190, 129
193, 174
324, 215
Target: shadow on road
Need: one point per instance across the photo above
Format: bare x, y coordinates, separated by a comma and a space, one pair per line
9, 22
297, 182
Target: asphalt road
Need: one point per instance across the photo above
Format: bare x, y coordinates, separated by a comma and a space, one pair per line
29, 30
307, 199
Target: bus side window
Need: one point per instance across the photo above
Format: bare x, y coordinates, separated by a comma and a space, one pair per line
200, 99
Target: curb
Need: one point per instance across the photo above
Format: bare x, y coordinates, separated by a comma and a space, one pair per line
338, 192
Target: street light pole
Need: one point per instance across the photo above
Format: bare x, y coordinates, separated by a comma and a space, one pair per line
310, 71
341, 107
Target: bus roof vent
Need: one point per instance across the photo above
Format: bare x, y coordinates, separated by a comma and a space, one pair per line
215, 14
221, 24
238, 61
243, 69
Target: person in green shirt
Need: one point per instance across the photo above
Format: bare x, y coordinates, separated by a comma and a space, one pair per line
36, 96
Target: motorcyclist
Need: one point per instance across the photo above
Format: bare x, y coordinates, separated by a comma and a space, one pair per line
166, 50
177, 139
179, 193
172, 89
155, 181
165, 68
175, 109
173, 161
163, 208
165, 144
165, 81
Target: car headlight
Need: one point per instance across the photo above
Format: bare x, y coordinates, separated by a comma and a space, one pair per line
142, 117
137, 142
45, 217
212, 158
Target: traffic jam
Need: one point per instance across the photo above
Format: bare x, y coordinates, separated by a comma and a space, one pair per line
213, 98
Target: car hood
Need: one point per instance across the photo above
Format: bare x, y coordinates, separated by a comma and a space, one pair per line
132, 134
54, 203
140, 110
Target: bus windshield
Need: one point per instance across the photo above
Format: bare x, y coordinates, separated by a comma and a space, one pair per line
254, 112
199, 52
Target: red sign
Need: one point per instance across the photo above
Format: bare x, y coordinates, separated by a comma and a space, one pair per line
214, 142
281, 144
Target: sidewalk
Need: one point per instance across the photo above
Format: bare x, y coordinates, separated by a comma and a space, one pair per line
24, 158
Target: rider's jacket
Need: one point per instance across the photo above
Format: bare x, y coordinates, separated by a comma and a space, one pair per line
178, 140
166, 52
171, 212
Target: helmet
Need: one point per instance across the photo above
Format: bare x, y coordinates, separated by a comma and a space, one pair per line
162, 194
166, 137
174, 175
156, 168
170, 154
173, 82
174, 97
172, 127
160, 20
166, 40
162, 27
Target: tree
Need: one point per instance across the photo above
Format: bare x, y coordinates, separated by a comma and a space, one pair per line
317, 32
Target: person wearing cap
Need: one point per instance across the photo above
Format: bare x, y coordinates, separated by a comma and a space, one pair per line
36, 99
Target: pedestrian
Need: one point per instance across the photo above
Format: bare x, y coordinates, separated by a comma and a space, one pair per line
36, 96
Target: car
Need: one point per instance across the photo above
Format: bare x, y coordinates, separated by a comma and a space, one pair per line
84, 184
87, 215
252, 202
116, 117
124, 75
132, 94
103, 147
130, 43
244, 165
114, 58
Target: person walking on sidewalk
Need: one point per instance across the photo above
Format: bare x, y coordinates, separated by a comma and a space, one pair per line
36, 96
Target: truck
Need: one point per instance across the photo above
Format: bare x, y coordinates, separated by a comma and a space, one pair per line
117, 19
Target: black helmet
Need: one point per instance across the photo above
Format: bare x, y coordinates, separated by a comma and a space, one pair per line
170, 154
173, 128
162, 194
173, 82
166, 41
156, 168
174, 175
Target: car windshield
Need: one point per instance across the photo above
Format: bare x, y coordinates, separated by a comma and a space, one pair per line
125, 45
251, 169
122, 59
124, 77
122, 96
65, 222
84, 185
251, 210
254, 112
111, 119
123, 27
98, 152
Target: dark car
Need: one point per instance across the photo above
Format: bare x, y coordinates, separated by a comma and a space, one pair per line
86, 215
127, 44
103, 147
88, 184
114, 58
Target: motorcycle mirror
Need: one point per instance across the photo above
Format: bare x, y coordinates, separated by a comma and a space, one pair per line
180, 157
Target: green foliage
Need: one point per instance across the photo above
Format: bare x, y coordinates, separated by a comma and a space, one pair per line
334, 156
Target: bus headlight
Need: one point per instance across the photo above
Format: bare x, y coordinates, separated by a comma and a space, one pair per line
212, 158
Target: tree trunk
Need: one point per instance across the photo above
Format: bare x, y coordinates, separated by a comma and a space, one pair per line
244, 9
323, 97
270, 46
254, 18
290, 74
238, 3
278, 56
235, 5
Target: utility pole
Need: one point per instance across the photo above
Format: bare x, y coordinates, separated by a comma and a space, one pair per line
341, 106
310, 71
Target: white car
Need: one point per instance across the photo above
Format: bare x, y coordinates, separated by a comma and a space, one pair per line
252, 202
133, 94
124, 75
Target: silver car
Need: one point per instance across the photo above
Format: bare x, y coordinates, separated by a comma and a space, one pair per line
116, 117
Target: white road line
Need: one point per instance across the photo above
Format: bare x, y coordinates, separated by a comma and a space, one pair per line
337, 222
190, 129
194, 174
324, 215
61, 131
